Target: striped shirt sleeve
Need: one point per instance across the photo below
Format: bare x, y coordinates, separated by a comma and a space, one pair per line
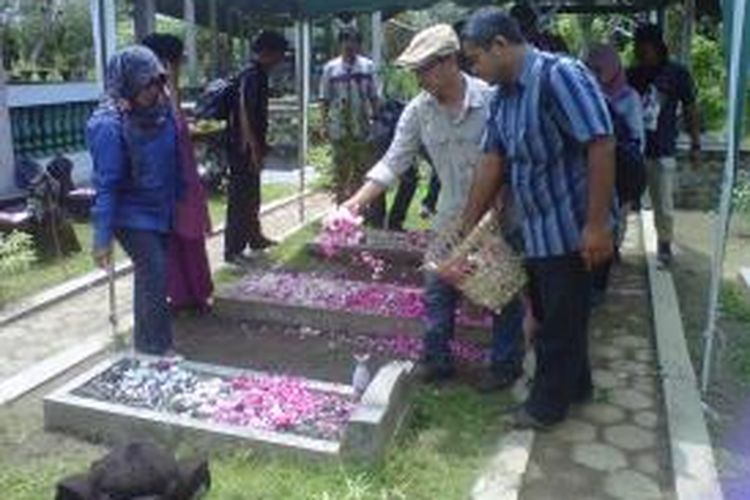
580, 100
492, 142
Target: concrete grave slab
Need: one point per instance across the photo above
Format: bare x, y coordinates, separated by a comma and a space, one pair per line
404, 248
237, 301
375, 420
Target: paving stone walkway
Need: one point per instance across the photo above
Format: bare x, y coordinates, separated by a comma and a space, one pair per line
615, 447
84, 317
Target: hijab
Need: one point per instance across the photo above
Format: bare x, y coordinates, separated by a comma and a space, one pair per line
605, 62
130, 71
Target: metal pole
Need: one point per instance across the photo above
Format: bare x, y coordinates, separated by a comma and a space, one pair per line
303, 65
190, 43
213, 22
722, 222
377, 38
6, 135
687, 32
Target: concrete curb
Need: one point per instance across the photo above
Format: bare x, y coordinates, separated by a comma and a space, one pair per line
503, 477
36, 375
694, 468
744, 276
95, 278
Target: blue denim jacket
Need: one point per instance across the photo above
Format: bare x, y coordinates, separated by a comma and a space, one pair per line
122, 200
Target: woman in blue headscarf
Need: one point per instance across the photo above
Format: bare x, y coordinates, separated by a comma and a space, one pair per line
133, 143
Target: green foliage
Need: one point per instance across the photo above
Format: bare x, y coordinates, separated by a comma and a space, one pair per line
741, 196
48, 38
710, 80
399, 83
16, 253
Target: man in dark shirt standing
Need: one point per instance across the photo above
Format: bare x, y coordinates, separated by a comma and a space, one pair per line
663, 85
247, 147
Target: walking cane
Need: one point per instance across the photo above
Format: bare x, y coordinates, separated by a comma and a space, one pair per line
116, 339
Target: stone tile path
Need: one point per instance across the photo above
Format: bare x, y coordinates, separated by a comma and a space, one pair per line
84, 317
615, 447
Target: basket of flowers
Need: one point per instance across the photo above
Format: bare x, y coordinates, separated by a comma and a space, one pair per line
481, 264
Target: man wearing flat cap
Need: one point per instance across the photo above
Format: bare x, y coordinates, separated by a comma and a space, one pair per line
448, 118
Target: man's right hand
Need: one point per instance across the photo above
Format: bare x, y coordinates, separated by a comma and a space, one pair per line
103, 257
352, 205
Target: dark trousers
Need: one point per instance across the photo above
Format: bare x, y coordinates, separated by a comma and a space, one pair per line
243, 208
433, 191
441, 300
148, 251
407, 186
600, 277
560, 289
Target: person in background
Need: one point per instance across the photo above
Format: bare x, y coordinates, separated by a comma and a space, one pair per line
549, 134
624, 102
448, 118
247, 130
189, 283
529, 23
349, 97
663, 85
133, 141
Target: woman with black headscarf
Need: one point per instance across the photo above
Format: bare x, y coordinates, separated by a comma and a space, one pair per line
132, 138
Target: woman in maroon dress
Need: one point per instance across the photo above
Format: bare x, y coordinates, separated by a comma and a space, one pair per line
189, 282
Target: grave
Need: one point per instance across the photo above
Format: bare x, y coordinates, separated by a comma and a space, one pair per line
403, 248
336, 304
213, 406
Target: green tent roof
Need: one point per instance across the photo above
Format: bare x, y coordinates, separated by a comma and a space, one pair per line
233, 11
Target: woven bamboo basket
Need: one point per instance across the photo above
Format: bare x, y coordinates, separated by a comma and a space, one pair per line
489, 271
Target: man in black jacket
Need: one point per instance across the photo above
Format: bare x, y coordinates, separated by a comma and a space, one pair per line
247, 147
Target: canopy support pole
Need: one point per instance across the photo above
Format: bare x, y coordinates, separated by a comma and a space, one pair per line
190, 43
303, 92
6, 137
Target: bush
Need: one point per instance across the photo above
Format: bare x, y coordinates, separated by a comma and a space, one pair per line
16, 253
709, 73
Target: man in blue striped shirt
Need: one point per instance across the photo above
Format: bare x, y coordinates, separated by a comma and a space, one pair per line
550, 129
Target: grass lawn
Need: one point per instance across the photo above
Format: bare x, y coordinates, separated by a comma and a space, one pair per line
440, 454
46, 275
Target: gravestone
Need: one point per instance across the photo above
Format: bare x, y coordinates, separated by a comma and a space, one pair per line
373, 422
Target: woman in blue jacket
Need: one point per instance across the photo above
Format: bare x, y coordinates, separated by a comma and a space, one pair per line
133, 143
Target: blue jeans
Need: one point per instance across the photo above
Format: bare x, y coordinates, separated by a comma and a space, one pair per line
148, 251
441, 299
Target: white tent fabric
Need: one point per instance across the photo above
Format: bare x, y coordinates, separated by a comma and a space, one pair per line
737, 46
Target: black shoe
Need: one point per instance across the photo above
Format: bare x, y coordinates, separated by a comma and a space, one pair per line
665, 253
261, 243
498, 379
521, 419
430, 373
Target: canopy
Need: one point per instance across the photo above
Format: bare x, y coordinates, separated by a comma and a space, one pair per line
232, 11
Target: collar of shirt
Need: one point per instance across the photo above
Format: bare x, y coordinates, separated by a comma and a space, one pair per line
474, 97
524, 78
